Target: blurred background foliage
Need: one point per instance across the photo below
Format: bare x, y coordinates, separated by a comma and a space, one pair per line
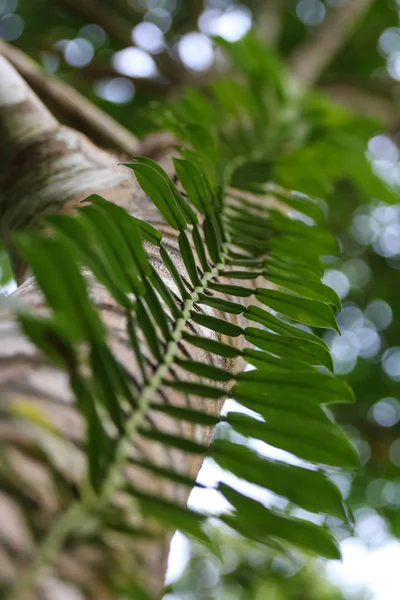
125, 54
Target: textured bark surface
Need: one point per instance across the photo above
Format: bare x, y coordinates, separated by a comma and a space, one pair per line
47, 168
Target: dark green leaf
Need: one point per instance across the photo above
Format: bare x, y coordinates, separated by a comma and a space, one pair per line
205, 370
307, 288
159, 191
149, 331
194, 183
270, 321
221, 304
165, 293
174, 441
313, 438
212, 346
169, 263
260, 523
303, 310
310, 489
264, 360
187, 414
218, 325
320, 387
171, 515
188, 259
197, 389
232, 290
200, 249
289, 347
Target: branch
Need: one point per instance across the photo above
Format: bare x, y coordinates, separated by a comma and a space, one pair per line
80, 113
95, 12
311, 58
269, 16
365, 104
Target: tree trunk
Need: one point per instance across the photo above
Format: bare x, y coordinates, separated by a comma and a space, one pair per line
49, 168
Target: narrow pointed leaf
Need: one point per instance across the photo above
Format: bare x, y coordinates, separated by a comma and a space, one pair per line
307, 488
307, 438
303, 310
289, 347
197, 389
205, 370
261, 523
218, 325
232, 290
212, 346
188, 259
160, 193
321, 387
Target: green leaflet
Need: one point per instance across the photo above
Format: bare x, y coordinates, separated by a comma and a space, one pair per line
321, 387
156, 310
149, 232
167, 473
200, 249
212, 346
218, 325
165, 293
307, 288
302, 203
169, 263
264, 360
174, 441
116, 248
149, 332
171, 515
221, 304
311, 436
242, 274
190, 216
187, 414
260, 523
232, 290
310, 489
270, 321
67, 296
212, 238
197, 389
303, 310
321, 241
159, 191
195, 184
188, 259
129, 230
289, 347
100, 448
205, 370
79, 236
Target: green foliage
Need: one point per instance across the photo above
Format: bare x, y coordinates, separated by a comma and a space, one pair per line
236, 237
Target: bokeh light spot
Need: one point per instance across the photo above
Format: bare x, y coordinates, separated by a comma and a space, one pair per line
391, 363
118, 90
310, 12
394, 453
337, 281
386, 412
134, 62
196, 51
79, 52
380, 313
11, 27
149, 37
94, 34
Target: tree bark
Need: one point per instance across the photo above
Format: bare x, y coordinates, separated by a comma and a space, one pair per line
49, 168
